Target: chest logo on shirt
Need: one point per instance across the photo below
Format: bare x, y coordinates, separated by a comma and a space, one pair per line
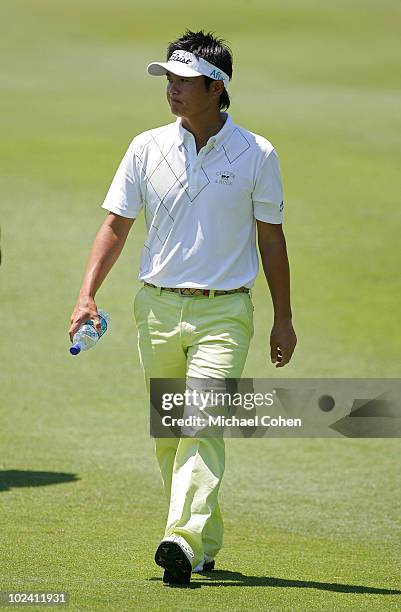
224, 177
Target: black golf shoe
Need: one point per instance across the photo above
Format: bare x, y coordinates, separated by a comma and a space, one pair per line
208, 566
172, 556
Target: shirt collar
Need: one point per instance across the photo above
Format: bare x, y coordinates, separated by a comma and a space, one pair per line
217, 139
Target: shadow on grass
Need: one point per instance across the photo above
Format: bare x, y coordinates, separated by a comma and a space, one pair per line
10, 479
232, 579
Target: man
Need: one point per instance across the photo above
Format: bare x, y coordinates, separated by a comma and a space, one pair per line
205, 185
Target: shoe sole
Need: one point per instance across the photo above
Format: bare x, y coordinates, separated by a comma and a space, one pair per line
171, 556
208, 567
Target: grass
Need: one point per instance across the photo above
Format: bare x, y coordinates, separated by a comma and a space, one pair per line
310, 523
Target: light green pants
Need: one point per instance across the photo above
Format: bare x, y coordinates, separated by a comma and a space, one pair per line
200, 337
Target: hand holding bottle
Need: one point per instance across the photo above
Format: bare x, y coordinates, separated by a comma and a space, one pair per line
88, 324
85, 309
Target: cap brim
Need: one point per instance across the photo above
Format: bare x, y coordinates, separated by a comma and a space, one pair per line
178, 68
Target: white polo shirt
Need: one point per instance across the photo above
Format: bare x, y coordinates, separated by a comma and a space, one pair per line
200, 208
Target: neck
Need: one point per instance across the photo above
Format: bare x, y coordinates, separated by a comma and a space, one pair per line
203, 127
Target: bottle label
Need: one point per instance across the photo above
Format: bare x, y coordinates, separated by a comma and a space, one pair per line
103, 326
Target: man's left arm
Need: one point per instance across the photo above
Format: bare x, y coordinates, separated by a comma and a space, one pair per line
273, 252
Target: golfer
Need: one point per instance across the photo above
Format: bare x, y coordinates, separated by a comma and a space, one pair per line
210, 191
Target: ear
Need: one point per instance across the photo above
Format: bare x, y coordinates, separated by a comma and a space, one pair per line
217, 88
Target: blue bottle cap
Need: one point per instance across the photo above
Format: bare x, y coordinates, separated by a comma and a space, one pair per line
75, 349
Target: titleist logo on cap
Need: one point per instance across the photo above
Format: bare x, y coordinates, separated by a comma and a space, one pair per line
176, 57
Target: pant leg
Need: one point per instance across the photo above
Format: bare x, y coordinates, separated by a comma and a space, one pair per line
212, 536
162, 356
223, 330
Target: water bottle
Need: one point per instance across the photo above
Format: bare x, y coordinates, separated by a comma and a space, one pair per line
87, 335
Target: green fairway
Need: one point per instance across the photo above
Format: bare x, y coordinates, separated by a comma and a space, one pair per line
311, 524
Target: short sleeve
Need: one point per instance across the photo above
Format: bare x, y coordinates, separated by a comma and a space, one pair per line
124, 195
267, 195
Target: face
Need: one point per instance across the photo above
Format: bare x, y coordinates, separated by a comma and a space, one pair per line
188, 96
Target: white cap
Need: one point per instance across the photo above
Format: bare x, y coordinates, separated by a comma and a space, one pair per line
186, 64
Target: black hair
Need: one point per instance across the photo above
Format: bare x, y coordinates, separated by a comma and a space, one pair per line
207, 46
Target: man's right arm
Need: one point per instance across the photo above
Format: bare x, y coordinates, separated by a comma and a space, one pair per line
105, 251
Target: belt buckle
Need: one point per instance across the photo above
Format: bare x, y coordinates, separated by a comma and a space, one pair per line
181, 291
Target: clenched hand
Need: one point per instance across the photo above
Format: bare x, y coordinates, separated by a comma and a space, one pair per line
282, 343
